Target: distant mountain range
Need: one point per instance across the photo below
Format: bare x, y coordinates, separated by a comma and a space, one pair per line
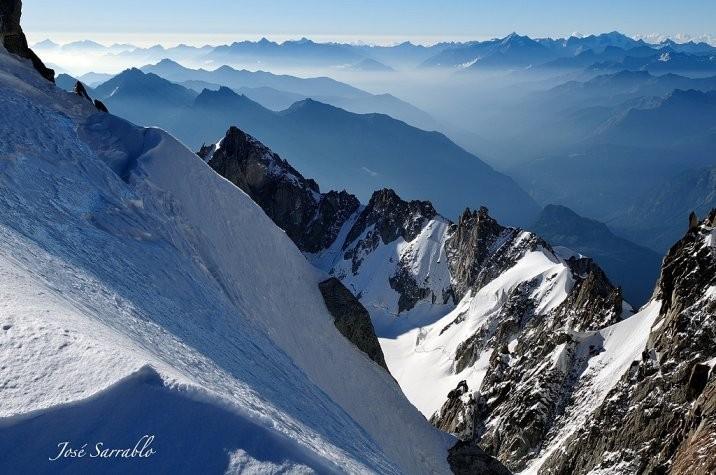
511, 51
600, 144
344, 150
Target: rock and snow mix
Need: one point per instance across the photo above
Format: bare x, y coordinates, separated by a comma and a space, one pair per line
142, 293
491, 332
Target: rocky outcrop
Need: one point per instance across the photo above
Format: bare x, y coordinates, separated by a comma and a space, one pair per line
81, 91
392, 217
100, 106
479, 249
457, 415
660, 417
467, 458
311, 219
594, 302
13, 38
352, 319
472, 241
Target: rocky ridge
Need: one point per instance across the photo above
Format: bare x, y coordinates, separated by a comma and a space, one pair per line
546, 357
311, 219
401, 258
661, 416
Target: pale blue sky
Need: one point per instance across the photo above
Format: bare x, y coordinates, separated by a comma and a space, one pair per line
383, 21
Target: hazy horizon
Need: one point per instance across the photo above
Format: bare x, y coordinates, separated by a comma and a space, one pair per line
169, 40
419, 21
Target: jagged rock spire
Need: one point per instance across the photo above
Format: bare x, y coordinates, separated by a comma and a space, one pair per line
13, 38
693, 221
310, 218
81, 91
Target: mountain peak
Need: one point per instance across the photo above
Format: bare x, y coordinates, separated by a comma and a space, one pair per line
309, 105
167, 62
566, 219
46, 43
131, 73
222, 92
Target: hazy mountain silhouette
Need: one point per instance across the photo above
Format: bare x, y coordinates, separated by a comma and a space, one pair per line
358, 152
633, 267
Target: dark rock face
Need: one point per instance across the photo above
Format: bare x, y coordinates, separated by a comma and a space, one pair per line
470, 245
408, 288
467, 458
594, 302
13, 38
456, 416
393, 217
480, 249
352, 319
311, 219
661, 416
100, 106
81, 91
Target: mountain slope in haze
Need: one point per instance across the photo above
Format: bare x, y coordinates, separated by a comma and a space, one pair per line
278, 92
357, 152
136, 278
95, 79
371, 66
633, 267
663, 124
616, 88
67, 82
654, 218
362, 153
596, 175
234, 78
140, 97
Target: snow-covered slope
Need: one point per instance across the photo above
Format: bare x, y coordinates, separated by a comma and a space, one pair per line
143, 293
